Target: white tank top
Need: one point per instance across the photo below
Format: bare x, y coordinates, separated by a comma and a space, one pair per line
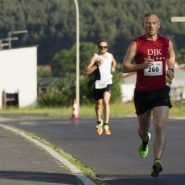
105, 67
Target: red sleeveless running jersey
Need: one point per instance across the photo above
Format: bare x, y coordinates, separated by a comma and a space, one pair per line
152, 78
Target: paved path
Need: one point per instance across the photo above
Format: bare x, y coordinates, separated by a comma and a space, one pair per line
22, 163
115, 157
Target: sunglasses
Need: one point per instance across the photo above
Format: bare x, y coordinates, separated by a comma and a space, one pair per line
103, 47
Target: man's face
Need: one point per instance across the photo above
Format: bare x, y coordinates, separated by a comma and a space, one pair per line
151, 25
103, 47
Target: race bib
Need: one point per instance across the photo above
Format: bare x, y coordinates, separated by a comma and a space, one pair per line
156, 69
100, 84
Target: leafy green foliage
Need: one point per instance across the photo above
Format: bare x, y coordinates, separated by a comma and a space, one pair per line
86, 94
60, 94
64, 61
44, 71
181, 56
116, 91
52, 23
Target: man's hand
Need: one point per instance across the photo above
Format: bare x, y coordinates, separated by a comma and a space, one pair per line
147, 63
170, 73
98, 61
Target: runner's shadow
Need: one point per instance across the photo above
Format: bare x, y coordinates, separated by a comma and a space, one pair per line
169, 179
39, 177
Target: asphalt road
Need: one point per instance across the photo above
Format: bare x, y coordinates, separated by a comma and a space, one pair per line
115, 157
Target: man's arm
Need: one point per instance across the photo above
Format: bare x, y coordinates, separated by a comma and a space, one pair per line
113, 68
170, 60
128, 66
93, 65
171, 56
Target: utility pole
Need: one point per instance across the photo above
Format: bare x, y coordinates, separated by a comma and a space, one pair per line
10, 33
77, 54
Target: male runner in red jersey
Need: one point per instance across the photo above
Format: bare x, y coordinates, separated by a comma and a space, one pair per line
154, 58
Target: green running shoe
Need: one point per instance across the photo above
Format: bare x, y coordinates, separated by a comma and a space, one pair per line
157, 168
143, 147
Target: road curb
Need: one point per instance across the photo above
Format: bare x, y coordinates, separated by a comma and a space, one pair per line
74, 170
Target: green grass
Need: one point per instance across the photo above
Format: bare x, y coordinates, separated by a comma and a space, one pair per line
118, 109
88, 172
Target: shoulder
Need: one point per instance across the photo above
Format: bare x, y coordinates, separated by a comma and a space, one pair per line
95, 56
110, 55
139, 39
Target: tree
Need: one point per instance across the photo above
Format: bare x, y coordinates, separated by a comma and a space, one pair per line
64, 61
181, 56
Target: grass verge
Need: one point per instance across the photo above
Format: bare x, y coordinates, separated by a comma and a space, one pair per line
87, 171
118, 109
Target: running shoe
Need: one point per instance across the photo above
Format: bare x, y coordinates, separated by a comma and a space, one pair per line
107, 129
157, 168
143, 147
99, 128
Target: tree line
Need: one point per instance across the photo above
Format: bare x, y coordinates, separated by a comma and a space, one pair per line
51, 23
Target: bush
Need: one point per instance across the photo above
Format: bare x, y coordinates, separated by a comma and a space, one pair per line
56, 96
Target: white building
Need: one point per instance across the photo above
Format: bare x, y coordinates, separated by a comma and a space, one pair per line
18, 75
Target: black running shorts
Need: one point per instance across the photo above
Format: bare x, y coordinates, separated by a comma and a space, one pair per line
98, 93
146, 101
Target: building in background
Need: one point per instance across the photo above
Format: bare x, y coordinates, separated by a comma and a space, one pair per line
18, 77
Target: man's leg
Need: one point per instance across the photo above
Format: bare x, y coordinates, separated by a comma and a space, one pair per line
143, 131
160, 116
98, 110
144, 125
106, 111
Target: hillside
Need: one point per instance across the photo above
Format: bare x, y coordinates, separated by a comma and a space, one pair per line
51, 23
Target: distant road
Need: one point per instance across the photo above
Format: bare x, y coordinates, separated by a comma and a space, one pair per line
115, 157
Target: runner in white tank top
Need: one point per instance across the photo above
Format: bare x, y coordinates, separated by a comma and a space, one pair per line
102, 65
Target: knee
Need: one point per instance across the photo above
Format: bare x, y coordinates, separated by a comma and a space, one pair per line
159, 128
98, 104
106, 103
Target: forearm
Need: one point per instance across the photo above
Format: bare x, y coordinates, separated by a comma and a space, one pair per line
113, 68
131, 68
171, 63
90, 69
171, 57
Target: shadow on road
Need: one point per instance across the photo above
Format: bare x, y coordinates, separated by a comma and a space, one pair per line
170, 179
37, 176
